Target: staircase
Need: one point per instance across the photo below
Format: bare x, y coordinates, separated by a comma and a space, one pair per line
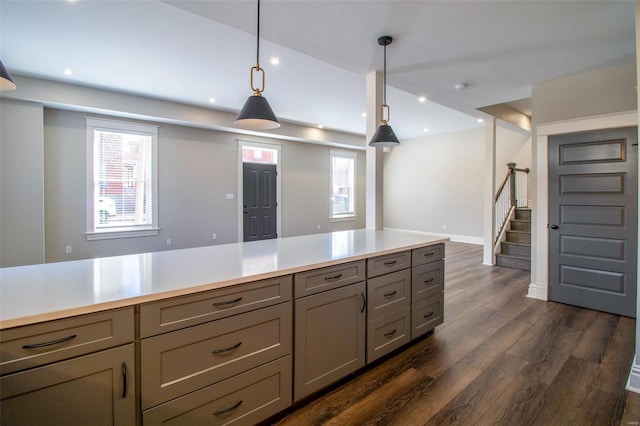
515, 251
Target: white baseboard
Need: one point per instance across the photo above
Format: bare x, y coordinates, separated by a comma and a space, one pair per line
633, 383
456, 238
537, 291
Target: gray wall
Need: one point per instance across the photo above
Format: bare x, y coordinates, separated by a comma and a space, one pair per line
605, 89
511, 147
21, 183
197, 168
436, 181
306, 191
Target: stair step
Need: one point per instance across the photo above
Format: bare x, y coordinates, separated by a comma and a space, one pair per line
519, 236
510, 247
523, 214
513, 261
520, 225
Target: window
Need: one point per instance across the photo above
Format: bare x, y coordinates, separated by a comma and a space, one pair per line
343, 184
121, 179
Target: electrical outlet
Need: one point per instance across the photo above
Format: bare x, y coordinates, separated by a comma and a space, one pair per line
68, 249
168, 241
318, 226
230, 196
444, 227
214, 236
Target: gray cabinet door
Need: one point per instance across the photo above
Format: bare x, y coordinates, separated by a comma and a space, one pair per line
330, 337
96, 389
593, 199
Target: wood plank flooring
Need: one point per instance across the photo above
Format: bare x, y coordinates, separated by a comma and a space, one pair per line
498, 359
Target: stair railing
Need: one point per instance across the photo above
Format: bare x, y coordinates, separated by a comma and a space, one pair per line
513, 193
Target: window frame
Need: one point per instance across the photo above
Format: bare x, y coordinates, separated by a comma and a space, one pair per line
118, 126
352, 156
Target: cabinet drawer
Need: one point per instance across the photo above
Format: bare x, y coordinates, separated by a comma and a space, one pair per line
318, 280
181, 312
388, 293
246, 399
388, 333
427, 280
427, 254
95, 389
183, 361
44, 343
388, 263
426, 315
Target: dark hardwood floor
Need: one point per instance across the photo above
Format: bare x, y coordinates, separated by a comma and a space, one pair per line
500, 358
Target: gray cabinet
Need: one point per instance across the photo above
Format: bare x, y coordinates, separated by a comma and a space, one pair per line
218, 357
329, 337
247, 398
96, 389
427, 289
388, 303
176, 363
68, 372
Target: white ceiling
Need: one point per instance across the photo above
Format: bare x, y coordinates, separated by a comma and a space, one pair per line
189, 51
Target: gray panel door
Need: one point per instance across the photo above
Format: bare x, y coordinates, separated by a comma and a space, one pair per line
593, 199
259, 200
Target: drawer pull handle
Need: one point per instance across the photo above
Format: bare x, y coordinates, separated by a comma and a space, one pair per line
364, 302
429, 254
429, 315
228, 410
51, 343
228, 302
430, 280
124, 380
333, 278
390, 333
390, 294
229, 349
390, 262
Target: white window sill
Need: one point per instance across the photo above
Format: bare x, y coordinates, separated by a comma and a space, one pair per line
122, 233
343, 218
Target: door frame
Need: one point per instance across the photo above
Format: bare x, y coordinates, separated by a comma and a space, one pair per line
539, 286
276, 147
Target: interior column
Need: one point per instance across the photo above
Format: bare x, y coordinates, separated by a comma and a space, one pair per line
488, 257
374, 155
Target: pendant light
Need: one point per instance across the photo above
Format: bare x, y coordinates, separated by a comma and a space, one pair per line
6, 82
256, 114
384, 136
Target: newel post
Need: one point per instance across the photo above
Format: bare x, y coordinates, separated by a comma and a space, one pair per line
512, 183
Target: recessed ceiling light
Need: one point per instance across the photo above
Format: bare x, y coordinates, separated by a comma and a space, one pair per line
275, 61
422, 99
480, 120
67, 71
320, 126
364, 114
212, 100
426, 130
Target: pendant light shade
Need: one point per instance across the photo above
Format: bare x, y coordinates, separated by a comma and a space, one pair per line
6, 82
256, 114
384, 136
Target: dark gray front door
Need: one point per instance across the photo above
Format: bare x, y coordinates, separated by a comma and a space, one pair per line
259, 200
593, 200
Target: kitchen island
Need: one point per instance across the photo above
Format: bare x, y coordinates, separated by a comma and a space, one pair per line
194, 333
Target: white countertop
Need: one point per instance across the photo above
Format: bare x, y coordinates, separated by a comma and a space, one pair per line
35, 293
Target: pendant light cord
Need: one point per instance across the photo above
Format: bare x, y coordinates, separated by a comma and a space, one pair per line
384, 77
258, 38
